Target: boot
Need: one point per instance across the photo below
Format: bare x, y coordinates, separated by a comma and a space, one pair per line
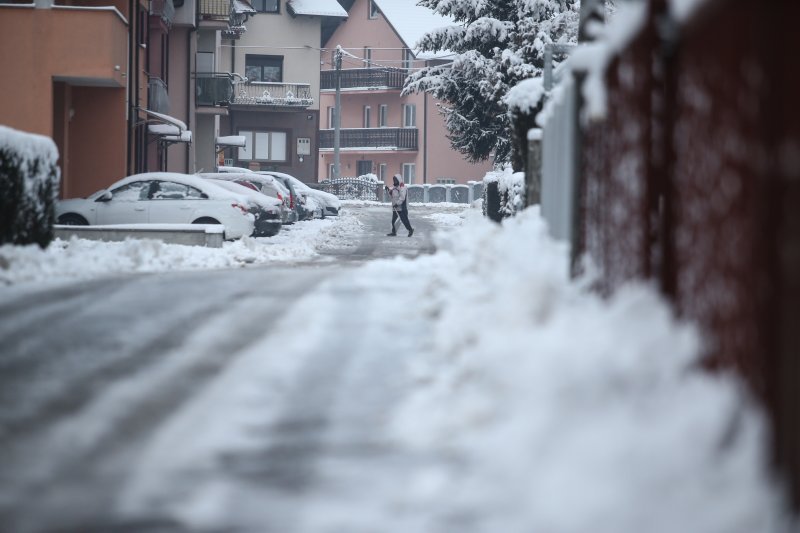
411, 232
392, 234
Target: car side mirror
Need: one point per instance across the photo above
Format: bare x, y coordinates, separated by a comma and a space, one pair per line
105, 197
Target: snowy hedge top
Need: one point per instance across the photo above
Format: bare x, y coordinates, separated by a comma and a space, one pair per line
526, 95
412, 22
30, 147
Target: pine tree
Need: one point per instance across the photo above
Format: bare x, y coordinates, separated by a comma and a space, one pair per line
496, 44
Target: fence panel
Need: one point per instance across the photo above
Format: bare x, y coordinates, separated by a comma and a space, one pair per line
437, 194
353, 189
459, 194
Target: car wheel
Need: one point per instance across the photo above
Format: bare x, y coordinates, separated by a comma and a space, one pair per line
209, 220
71, 219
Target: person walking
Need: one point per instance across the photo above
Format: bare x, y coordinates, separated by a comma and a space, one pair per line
399, 195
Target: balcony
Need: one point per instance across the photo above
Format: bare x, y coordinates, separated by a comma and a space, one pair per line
213, 89
157, 96
371, 139
215, 14
364, 79
164, 9
273, 94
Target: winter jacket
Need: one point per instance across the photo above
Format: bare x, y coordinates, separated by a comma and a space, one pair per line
399, 195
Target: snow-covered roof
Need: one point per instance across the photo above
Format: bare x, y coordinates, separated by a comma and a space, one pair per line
243, 7
412, 22
232, 140
322, 8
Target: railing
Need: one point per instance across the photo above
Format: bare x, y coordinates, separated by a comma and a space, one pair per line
363, 188
372, 138
164, 9
215, 10
273, 94
157, 96
364, 78
213, 89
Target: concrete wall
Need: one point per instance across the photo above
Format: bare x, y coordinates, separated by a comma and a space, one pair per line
181, 94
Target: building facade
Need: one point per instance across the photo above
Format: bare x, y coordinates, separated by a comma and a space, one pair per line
276, 110
383, 132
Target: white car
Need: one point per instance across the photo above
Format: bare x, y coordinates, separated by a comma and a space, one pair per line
329, 203
161, 198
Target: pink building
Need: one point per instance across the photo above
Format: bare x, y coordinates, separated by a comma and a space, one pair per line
382, 132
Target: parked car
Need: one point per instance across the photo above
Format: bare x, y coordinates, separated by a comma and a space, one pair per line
265, 184
267, 210
330, 202
306, 210
162, 198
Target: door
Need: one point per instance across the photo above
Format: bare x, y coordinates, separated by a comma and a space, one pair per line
363, 167
128, 205
173, 203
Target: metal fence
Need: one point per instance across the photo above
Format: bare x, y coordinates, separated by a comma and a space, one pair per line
692, 180
273, 94
366, 189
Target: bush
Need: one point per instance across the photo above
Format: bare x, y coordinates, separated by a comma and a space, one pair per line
503, 194
29, 180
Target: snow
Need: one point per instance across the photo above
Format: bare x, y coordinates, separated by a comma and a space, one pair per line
683, 10
572, 413
552, 409
412, 22
30, 147
594, 58
231, 140
526, 95
325, 8
79, 259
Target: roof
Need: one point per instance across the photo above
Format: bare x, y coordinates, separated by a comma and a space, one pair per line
412, 22
322, 8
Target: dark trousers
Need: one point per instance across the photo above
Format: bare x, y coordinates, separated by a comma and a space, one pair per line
403, 211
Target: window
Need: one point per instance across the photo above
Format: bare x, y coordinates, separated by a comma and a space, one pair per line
409, 115
367, 57
169, 190
382, 111
382, 171
263, 146
363, 167
263, 68
130, 192
367, 116
409, 173
330, 171
205, 61
331, 117
267, 6
446, 181
408, 58
373, 10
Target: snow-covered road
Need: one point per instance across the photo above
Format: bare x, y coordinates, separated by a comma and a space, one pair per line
349, 382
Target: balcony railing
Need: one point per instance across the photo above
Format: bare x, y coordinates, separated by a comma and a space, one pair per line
215, 10
371, 139
157, 96
164, 9
364, 78
213, 89
273, 94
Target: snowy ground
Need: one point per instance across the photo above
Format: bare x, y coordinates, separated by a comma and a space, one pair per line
475, 390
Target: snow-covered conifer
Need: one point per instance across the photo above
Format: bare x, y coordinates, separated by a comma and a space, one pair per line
495, 45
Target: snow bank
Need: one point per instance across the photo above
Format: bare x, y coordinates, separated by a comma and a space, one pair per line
567, 412
85, 259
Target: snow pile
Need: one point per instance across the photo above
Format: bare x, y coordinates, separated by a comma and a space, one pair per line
567, 412
525, 96
85, 259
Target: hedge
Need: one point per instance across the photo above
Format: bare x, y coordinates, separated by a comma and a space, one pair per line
29, 180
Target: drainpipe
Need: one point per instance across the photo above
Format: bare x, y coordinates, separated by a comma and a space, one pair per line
425, 139
189, 114
131, 117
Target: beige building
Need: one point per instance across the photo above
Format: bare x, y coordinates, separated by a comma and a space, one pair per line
383, 132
